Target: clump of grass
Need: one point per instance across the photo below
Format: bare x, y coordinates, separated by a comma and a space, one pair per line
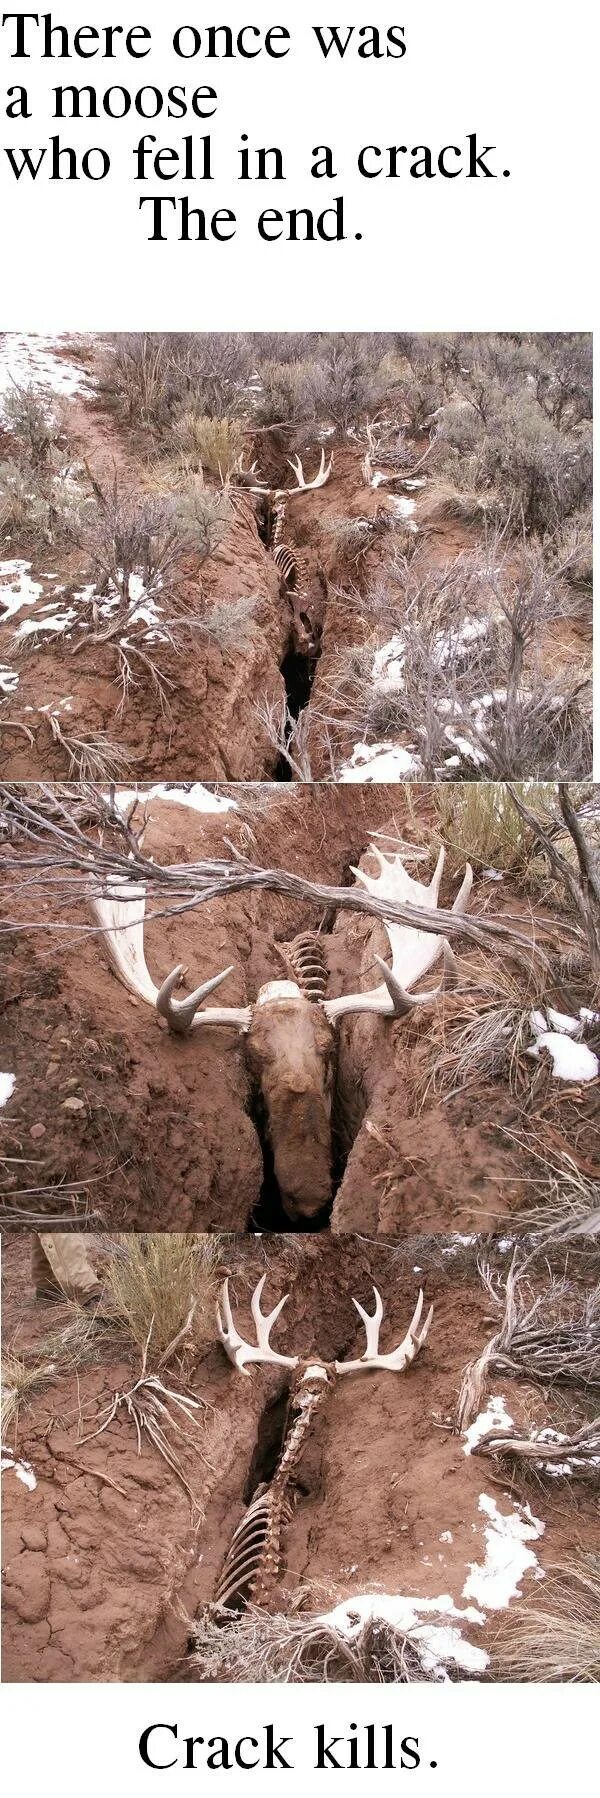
73, 1344
305, 1650
161, 1286
212, 444
481, 1035
555, 1633
478, 822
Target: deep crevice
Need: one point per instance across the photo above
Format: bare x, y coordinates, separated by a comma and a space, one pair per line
270, 1437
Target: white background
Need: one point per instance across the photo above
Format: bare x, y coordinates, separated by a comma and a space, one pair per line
513, 254
464, 254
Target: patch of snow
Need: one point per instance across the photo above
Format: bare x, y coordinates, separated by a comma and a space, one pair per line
23, 1470
437, 1641
446, 1536
492, 874
560, 1020
404, 507
199, 798
457, 1243
387, 671
570, 1060
17, 588
7, 1087
9, 679
507, 1558
57, 622
495, 1417
379, 762
467, 750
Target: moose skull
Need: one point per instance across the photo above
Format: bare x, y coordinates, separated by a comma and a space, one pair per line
290, 1031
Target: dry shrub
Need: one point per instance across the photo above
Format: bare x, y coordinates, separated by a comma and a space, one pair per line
135, 369
229, 625
554, 1635
158, 1285
550, 1338
213, 444
203, 516
31, 416
279, 1649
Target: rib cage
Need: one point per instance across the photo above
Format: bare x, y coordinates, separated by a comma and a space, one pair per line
306, 958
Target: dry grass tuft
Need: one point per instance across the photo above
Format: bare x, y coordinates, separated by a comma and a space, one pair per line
19, 1382
555, 1634
162, 1286
477, 822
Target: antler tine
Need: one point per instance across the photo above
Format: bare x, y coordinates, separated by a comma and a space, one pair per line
181, 1013
236, 1348
398, 1358
463, 895
264, 1322
371, 1322
404, 1002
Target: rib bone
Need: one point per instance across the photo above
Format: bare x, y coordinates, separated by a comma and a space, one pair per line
399, 1358
239, 1351
413, 951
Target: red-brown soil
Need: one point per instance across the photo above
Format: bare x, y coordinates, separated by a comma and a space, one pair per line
103, 1567
157, 1131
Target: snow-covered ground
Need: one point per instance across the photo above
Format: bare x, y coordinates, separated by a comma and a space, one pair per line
7, 1087
379, 762
34, 362
198, 798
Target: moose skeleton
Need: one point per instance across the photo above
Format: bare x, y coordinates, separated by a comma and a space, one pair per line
289, 1031
252, 1564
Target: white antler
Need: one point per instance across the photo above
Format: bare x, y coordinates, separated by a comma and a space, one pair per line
303, 486
121, 912
400, 1357
413, 951
239, 1351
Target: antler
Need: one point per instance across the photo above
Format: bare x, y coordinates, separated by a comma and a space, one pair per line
413, 951
400, 1357
303, 486
121, 914
239, 1351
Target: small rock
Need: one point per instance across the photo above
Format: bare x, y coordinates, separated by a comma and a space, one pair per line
93, 1048
69, 1084
52, 1069
73, 1105
36, 1131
